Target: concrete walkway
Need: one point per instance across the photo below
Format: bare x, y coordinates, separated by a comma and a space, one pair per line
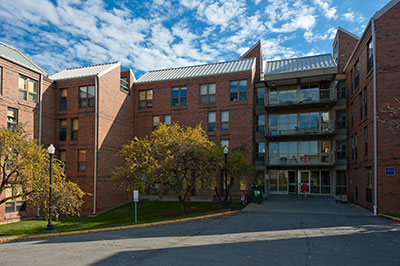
282, 231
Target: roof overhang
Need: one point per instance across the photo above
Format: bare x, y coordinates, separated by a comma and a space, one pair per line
304, 76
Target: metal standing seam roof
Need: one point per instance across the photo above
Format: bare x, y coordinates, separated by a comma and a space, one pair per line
300, 64
86, 71
198, 71
12, 54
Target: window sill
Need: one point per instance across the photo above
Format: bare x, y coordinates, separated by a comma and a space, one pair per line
238, 103
81, 174
145, 110
26, 103
207, 106
178, 107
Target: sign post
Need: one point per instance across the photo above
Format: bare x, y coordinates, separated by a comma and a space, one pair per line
135, 199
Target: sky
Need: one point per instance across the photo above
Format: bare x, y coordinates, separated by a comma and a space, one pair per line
158, 34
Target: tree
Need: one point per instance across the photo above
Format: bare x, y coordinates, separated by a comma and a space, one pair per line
24, 168
390, 116
239, 169
181, 158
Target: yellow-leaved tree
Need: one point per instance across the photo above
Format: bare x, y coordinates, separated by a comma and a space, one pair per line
182, 158
24, 169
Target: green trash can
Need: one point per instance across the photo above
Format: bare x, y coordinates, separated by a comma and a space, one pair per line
257, 196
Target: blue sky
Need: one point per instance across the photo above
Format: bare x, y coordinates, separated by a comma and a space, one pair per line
148, 35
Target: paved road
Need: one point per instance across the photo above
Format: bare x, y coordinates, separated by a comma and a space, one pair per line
282, 231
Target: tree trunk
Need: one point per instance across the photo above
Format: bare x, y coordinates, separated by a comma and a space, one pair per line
182, 203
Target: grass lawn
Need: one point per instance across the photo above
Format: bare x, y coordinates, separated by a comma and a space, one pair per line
148, 211
397, 215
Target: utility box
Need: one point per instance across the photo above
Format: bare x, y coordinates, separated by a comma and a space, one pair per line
256, 194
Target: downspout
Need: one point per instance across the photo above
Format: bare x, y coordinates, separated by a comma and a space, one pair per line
375, 126
95, 142
40, 109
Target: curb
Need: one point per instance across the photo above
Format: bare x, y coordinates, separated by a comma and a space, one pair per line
394, 219
116, 228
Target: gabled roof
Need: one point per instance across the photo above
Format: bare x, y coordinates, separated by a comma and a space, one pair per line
12, 54
300, 64
348, 33
385, 9
251, 49
87, 71
241, 65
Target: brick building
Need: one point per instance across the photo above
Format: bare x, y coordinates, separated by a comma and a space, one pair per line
302, 120
373, 81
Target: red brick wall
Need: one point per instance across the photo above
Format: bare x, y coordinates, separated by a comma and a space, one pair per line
257, 52
347, 43
241, 114
387, 57
28, 113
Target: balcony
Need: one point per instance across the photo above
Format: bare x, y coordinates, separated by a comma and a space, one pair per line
309, 129
295, 159
300, 98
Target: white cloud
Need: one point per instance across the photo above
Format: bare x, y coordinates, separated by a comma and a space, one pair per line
349, 16
327, 10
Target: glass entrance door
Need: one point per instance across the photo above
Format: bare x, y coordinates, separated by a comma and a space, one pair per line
304, 177
292, 182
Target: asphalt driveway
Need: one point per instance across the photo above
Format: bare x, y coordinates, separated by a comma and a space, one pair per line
282, 231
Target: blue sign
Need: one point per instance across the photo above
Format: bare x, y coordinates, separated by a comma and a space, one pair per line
360, 164
389, 171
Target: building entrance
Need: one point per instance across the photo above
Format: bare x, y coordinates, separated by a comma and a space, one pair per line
304, 177
292, 182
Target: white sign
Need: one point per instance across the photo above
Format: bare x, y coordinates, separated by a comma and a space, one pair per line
136, 195
266, 176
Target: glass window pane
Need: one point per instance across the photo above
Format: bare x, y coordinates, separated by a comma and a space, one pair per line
233, 86
183, 92
90, 91
292, 147
313, 147
261, 147
175, 101
183, 101
203, 89
75, 124
156, 120
167, 119
149, 94
243, 95
212, 88
211, 117
175, 92
273, 120
304, 147
225, 116
243, 85
142, 95
273, 148
211, 98
203, 98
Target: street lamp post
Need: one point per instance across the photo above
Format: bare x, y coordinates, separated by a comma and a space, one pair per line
52, 150
226, 178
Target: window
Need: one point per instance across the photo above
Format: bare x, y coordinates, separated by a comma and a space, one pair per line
81, 160
370, 56
341, 119
224, 143
1, 80
238, 90
341, 89
27, 89
156, 121
368, 184
62, 156
260, 154
366, 141
357, 74
260, 96
309, 92
124, 85
74, 128
352, 147
86, 96
12, 118
352, 114
211, 121
167, 120
207, 93
225, 120
16, 204
341, 150
260, 123
341, 184
179, 96
355, 146
361, 105
365, 102
145, 99
352, 80
63, 129
63, 99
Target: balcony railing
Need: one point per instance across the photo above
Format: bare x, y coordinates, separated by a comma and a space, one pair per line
276, 98
294, 129
326, 158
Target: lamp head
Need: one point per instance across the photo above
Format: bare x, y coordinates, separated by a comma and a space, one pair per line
51, 149
226, 150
